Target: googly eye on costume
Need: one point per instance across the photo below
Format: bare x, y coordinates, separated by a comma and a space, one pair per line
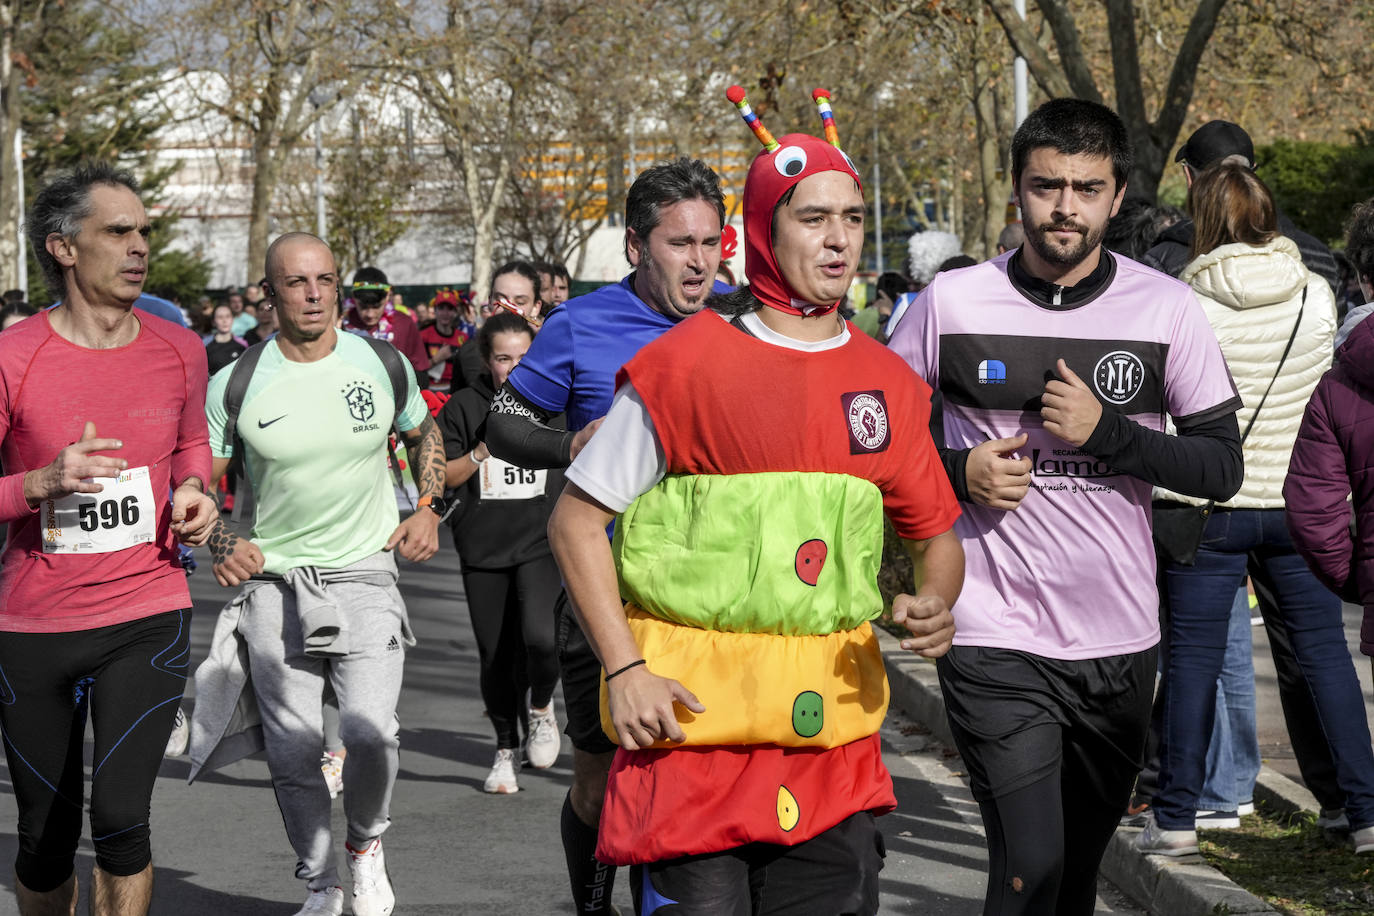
790, 161
850, 162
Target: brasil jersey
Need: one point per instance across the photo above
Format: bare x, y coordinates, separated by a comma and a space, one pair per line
315, 435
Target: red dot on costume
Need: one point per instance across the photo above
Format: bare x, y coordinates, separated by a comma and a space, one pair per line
735, 94
820, 94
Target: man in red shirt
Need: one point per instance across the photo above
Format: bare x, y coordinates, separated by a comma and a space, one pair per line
445, 335
94, 609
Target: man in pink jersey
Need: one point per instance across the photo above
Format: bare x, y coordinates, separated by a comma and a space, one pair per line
94, 609
1058, 364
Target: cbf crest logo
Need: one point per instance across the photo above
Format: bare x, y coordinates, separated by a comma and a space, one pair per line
866, 415
358, 396
1119, 376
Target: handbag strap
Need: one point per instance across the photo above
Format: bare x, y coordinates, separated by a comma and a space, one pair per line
1277, 369
1211, 503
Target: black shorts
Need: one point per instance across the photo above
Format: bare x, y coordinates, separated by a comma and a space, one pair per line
834, 873
580, 672
128, 678
1017, 717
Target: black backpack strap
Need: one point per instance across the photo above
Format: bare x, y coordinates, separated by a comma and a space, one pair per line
236, 391
398, 371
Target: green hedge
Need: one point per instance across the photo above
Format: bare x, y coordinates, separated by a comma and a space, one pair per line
1316, 184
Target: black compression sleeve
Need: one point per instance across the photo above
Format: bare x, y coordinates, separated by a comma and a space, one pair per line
518, 432
955, 460
1203, 460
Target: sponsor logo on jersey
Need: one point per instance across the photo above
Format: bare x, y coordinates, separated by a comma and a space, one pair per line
992, 372
1119, 376
866, 415
1068, 463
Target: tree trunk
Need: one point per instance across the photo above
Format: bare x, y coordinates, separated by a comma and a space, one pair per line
265, 171
483, 222
11, 248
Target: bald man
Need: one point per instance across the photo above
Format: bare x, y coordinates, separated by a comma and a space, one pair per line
319, 601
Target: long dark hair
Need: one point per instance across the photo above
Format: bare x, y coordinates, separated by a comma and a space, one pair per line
502, 322
1230, 204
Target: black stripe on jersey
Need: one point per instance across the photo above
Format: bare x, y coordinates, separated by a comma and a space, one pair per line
1009, 371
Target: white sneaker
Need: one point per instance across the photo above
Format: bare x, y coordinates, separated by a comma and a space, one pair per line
1363, 840
332, 767
501, 779
328, 902
1155, 840
180, 738
372, 893
544, 742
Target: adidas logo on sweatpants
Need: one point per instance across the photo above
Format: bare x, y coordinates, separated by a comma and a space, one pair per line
393, 645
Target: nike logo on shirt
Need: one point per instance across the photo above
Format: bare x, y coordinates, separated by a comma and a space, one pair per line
262, 425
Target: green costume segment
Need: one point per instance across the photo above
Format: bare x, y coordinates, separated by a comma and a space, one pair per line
716, 552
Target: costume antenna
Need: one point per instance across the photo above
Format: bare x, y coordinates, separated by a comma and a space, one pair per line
736, 95
822, 98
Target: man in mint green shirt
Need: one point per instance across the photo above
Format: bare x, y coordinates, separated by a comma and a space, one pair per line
319, 601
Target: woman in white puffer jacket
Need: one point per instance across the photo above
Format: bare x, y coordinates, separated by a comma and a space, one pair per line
1252, 284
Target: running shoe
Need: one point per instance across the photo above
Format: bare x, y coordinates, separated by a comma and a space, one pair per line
1333, 821
328, 902
1216, 820
1363, 839
1156, 841
501, 779
372, 893
180, 738
1136, 815
331, 765
544, 742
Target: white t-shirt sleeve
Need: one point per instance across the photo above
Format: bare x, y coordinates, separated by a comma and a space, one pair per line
624, 458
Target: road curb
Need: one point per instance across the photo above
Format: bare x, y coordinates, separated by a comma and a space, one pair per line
1164, 886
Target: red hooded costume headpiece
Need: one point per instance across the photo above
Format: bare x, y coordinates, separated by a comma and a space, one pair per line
775, 171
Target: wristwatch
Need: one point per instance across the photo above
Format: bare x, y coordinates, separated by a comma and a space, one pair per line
437, 504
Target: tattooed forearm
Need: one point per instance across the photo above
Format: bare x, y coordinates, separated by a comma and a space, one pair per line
425, 447
222, 543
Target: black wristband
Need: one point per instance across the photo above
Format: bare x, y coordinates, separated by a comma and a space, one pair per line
621, 671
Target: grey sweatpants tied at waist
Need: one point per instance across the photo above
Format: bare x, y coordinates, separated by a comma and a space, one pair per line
287, 638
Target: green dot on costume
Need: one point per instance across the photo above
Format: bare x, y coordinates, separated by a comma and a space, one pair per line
807, 717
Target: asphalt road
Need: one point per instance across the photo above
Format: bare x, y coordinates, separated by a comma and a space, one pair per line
220, 849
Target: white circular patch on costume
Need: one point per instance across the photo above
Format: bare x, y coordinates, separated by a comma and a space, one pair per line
853, 168
868, 421
790, 161
1119, 376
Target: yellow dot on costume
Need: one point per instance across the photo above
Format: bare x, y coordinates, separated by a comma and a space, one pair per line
789, 812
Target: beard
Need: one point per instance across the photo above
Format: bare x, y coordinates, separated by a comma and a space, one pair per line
1088, 240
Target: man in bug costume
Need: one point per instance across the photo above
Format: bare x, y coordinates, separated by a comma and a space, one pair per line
745, 686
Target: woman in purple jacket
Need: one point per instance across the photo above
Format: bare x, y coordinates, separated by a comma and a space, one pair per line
1333, 461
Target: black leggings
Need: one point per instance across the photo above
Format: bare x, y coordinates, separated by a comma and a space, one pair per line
129, 678
513, 620
1045, 842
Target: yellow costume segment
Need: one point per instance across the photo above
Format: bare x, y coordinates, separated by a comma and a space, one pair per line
760, 688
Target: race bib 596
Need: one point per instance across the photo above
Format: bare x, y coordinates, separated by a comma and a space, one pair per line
123, 515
